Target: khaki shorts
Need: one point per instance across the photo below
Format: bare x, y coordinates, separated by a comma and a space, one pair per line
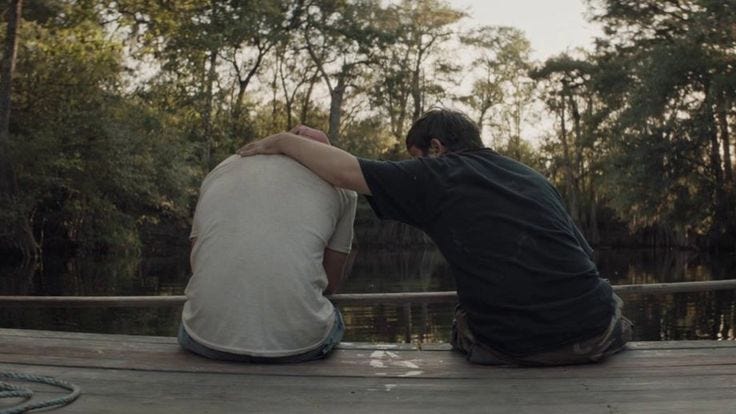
611, 341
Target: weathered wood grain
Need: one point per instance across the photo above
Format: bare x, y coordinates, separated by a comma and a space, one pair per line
122, 391
139, 374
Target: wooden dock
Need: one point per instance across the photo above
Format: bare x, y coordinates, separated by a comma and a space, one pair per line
143, 374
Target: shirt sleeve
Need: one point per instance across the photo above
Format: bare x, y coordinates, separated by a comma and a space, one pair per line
342, 238
405, 191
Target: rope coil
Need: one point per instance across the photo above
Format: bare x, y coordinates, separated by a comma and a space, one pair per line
14, 391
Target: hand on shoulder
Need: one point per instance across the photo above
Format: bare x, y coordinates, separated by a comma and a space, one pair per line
311, 133
271, 144
268, 145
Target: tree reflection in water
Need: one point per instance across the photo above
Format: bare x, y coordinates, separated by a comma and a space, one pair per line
705, 315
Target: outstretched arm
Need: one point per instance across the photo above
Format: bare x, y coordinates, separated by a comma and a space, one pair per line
333, 165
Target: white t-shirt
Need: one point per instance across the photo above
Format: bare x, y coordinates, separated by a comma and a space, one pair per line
261, 226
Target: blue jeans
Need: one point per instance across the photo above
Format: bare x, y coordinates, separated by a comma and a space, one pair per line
320, 352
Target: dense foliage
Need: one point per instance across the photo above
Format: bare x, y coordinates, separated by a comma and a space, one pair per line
119, 108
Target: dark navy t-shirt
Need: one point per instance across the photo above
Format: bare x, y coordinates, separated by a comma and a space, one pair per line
523, 271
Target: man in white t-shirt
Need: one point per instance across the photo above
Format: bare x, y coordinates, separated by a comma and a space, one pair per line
269, 238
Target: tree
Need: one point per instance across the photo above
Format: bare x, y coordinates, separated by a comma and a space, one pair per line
342, 39
95, 167
251, 30
412, 70
16, 218
293, 74
673, 117
184, 40
568, 85
502, 93
211, 48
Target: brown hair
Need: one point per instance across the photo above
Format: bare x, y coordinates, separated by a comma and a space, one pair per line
455, 130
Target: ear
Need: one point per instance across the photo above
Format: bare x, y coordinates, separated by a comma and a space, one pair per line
437, 147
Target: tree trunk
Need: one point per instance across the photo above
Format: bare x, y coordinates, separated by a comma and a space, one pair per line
594, 233
243, 83
398, 120
716, 169
416, 91
25, 240
571, 194
289, 115
304, 114
484, 108
516, 115
8, 182
288, 97
207, 110
337, 95
237, 109
725, 138
274, 103
578, 143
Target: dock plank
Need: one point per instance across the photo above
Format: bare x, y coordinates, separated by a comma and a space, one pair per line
123, 374
117, 391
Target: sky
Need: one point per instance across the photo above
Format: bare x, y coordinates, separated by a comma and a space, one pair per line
552, 26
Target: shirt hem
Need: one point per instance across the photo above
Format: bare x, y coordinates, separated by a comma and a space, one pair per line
260, 353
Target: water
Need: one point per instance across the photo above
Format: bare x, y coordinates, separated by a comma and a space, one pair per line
707, 315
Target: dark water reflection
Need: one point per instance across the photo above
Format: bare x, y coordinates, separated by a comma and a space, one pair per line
708, 315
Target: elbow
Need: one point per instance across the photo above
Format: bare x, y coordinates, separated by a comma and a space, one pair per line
342, 180
351, 180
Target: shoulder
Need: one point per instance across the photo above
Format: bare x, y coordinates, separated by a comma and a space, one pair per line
274, 168
402, 166
256, 163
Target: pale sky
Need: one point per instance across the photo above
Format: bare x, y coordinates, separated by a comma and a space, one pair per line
552, 26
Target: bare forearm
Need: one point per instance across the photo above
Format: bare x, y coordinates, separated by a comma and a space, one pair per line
333, 165
330, 163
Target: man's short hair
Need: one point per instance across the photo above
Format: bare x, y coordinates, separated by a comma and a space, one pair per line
455, 130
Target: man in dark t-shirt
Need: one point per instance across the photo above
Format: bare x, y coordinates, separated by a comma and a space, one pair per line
529, 292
